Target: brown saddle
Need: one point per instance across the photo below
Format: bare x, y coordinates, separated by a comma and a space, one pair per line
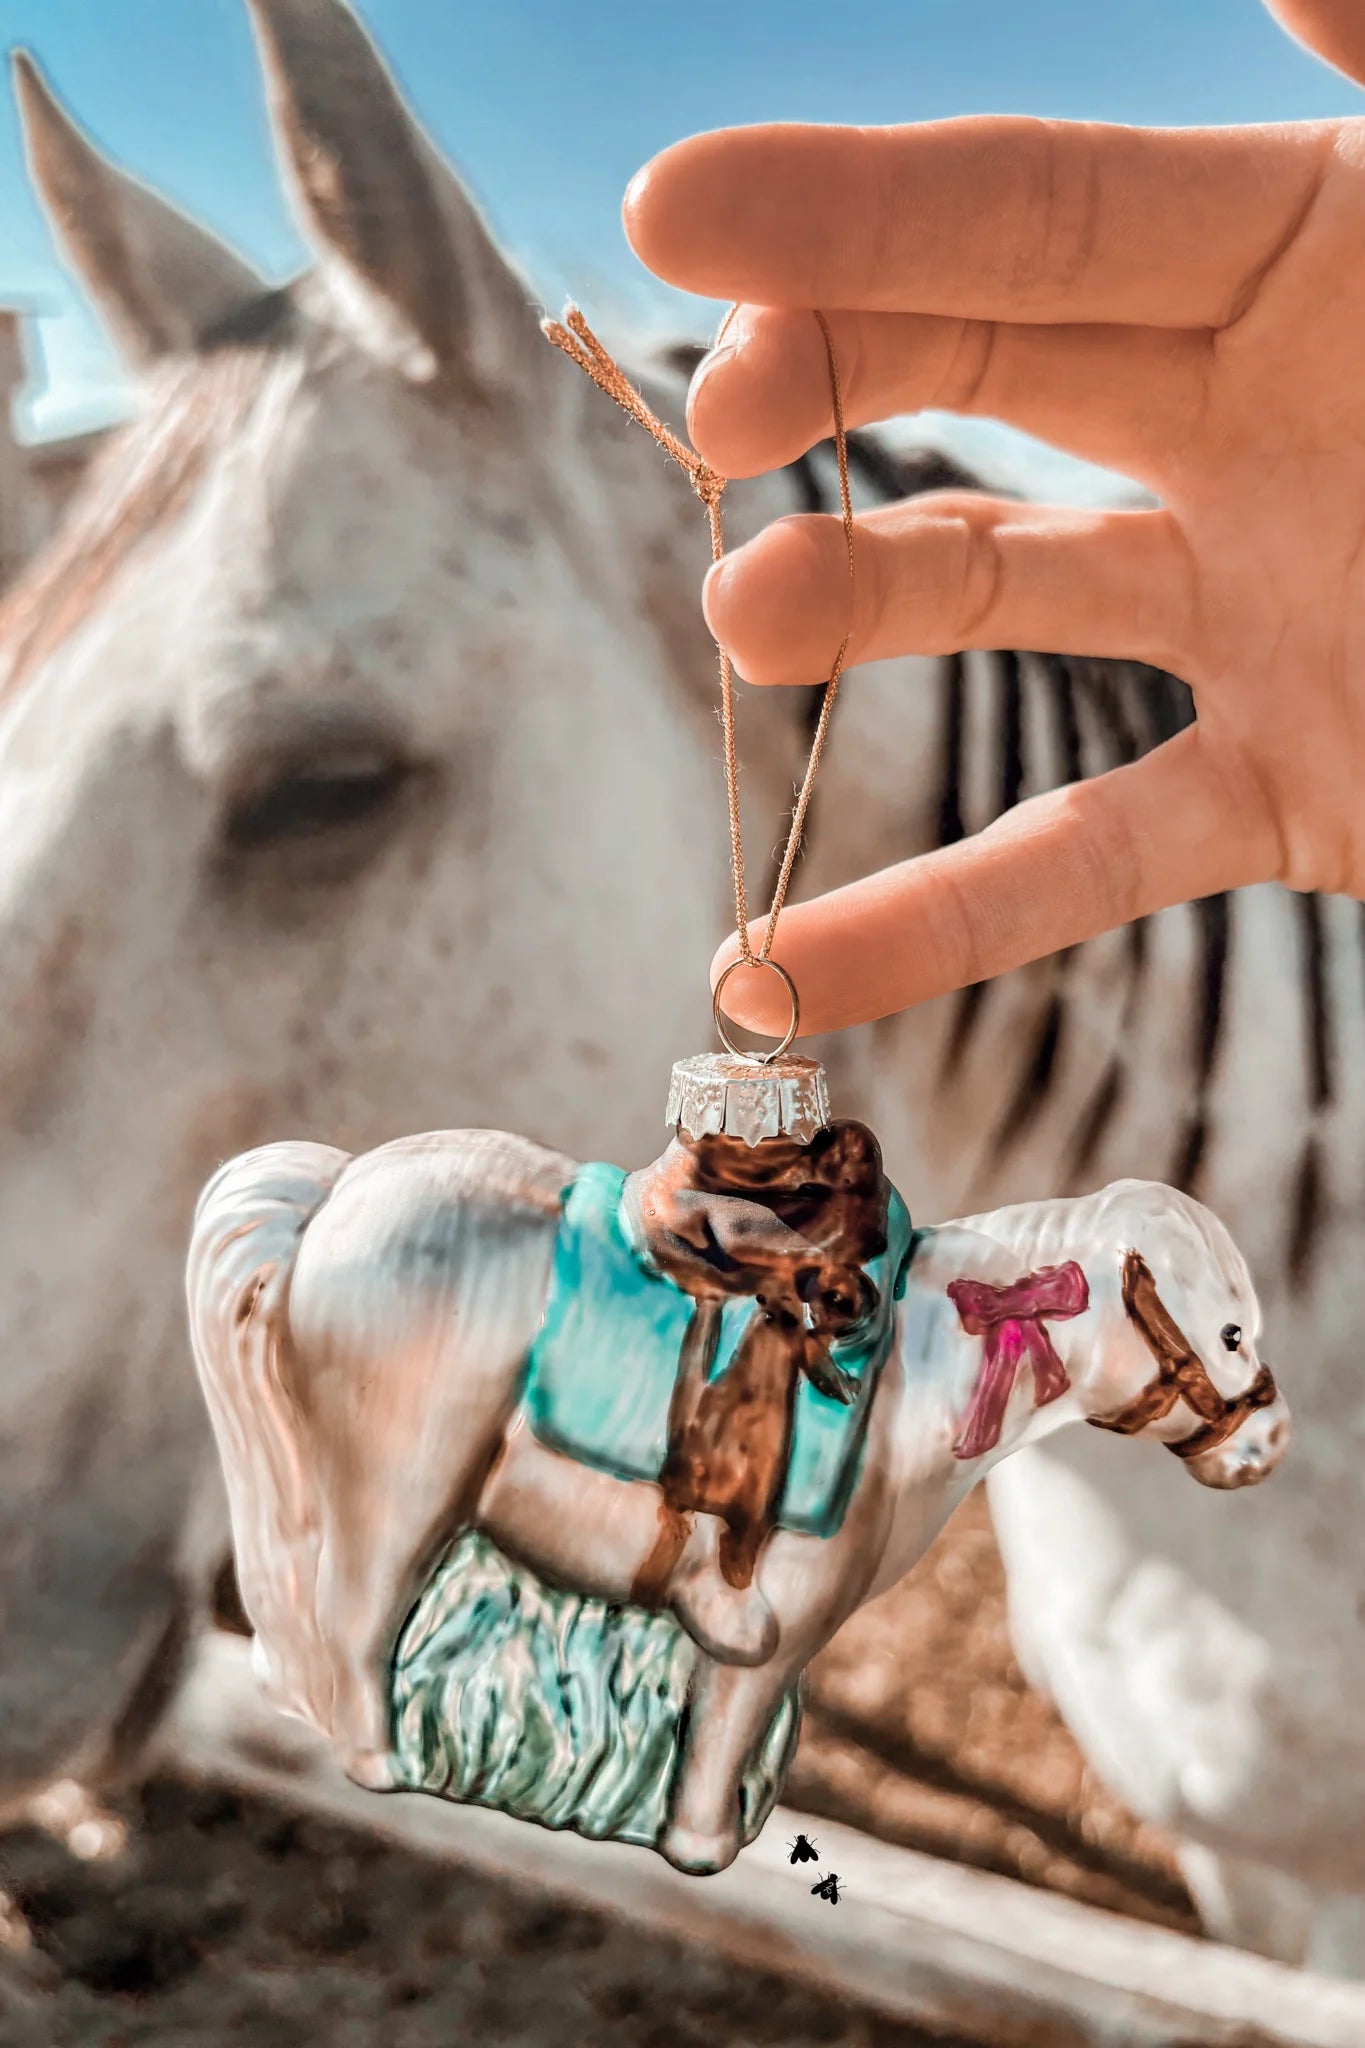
793, 1225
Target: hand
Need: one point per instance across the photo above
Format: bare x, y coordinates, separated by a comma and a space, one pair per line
1188, 307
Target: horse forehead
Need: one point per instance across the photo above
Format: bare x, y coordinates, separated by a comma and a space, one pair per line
345, 453
326, 449
1220, 1272
1183, 1242
308, 556
1203, 1283
1195, 1256
324, 525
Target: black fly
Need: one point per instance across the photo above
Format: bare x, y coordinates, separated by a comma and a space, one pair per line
802, 1850
828, 1888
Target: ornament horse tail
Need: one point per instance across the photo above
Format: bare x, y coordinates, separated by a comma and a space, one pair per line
358, 1374
363, 1329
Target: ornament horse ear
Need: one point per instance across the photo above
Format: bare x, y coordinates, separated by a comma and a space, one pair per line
548, 1481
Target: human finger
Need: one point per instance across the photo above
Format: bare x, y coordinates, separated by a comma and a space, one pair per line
988, 218
952, 570
1335, 29
1126, 396
1053, 872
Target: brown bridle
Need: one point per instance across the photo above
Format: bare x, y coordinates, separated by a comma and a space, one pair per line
1180, 1376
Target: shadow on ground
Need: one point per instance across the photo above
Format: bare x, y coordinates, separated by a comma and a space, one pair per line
228, 1924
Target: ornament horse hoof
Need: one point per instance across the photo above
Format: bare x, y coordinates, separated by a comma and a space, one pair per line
700, 1855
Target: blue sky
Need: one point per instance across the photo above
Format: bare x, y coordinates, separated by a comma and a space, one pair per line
548, 106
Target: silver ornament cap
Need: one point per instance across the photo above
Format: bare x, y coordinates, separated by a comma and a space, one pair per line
722, 1093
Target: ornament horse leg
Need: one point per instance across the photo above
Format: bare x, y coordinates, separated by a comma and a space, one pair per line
388, 1510
404, 1375
813, 1584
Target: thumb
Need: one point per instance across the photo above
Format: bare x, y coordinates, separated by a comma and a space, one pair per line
1334, 29
1052, 872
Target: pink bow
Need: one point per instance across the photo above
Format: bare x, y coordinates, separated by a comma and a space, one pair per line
1010, 1319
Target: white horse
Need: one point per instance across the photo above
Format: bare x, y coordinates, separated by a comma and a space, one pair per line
362, 1329
339, 764
358, 770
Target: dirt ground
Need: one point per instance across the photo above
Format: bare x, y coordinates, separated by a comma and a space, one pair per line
230, 1925
227, 1924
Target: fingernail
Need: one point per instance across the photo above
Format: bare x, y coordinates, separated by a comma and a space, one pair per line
636, 192
718, 578
706, 368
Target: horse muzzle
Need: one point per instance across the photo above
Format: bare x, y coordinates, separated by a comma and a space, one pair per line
1250, 1454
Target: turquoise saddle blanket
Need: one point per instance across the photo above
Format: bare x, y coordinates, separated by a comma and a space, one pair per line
601, 1372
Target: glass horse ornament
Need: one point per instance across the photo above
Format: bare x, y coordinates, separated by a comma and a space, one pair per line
548, 1481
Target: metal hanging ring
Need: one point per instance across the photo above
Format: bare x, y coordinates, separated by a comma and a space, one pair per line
764, 1059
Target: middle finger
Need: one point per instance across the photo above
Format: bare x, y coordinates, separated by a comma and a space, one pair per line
1125, 396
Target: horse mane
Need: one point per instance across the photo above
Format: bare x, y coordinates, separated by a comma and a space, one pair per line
140, 479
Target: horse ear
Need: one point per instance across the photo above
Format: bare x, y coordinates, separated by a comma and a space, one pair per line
402, 248
159, 281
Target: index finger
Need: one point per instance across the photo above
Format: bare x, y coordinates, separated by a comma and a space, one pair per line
1054, 871
990, 218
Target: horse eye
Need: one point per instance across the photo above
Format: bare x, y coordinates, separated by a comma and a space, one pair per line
1231, 1334
309, 799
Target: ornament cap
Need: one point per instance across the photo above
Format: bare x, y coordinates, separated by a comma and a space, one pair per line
716, 1093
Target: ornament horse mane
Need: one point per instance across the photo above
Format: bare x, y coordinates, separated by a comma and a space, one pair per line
547, 1482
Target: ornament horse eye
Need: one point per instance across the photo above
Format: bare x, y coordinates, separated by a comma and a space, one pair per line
547, 1482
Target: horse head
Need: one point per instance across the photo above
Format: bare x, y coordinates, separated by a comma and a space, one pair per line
342, 746
1178, 1335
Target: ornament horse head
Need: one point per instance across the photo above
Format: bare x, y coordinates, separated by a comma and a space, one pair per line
1178, 1330
466, 1596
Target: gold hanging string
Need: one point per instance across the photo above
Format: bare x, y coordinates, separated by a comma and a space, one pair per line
574, 336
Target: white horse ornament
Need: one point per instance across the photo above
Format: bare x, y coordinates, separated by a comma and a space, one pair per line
548, 1481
